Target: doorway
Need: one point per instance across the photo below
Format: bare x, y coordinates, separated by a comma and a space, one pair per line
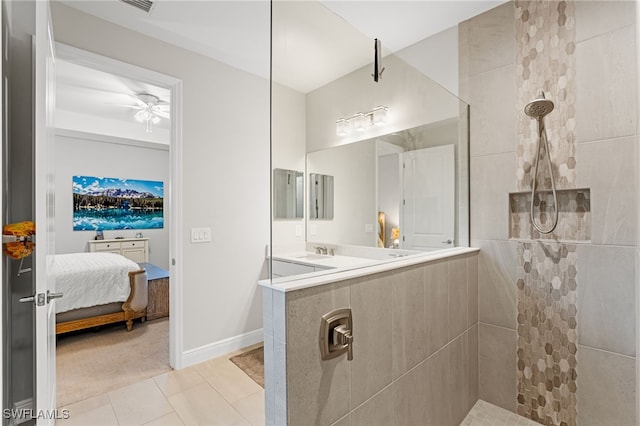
123, 151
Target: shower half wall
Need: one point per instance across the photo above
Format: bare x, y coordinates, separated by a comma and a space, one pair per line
415, 353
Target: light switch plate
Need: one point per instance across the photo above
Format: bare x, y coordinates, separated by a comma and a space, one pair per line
298, 230
200, 235
368, 227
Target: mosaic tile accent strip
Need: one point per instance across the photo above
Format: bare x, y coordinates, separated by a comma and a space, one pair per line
545, 60
547, 336
574, 215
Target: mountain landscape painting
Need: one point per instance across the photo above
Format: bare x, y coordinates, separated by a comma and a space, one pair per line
105, 204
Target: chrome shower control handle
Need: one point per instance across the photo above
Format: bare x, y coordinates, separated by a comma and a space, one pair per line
342, 337
336, 334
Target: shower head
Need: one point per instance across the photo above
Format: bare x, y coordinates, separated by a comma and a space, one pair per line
538, 108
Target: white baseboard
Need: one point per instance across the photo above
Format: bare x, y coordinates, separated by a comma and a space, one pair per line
221, 347
25, 406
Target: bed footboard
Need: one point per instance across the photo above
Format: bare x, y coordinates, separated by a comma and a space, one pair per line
134, 307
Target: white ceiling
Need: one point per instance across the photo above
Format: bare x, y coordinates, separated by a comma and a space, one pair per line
313, 42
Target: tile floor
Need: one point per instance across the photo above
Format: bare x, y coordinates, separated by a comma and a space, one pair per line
486, 414
215, 392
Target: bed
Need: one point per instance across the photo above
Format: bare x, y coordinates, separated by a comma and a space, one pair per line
98, 289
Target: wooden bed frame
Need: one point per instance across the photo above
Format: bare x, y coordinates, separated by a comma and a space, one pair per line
134, 307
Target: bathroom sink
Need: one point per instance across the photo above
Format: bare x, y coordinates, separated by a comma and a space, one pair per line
312, 256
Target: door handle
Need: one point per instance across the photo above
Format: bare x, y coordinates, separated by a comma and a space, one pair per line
53, 296
37, 299
446, 242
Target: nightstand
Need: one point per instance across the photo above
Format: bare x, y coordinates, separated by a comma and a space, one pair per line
158, 291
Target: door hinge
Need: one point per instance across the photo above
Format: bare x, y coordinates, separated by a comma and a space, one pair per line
403, 238
404, 202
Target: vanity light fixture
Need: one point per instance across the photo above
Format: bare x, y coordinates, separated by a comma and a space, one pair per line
361, 121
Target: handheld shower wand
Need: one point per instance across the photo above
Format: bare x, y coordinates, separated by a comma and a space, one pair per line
538, 109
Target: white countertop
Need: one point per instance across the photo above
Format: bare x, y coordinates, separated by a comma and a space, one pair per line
350, 267
325, 260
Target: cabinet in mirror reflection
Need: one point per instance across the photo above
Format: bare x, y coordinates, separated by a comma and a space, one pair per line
288, 189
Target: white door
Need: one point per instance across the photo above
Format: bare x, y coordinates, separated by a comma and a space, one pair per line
44, 104
428, 198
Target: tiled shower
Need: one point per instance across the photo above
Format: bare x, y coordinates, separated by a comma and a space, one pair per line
557, 315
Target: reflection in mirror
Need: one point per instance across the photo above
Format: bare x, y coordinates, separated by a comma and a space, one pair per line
288, 200
402, 183
320, 196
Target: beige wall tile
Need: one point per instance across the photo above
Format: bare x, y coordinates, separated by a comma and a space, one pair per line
409, 335
459, 379
438, 393
606, 388
371, 307
606, 298
472, 292
595, 18
345, 421
377, 411
409, 396
492, 97
472, 336
497, 366
497, 291
491, 39
458, 297
605, 84
613, 191
436, 305
491, 182
321, 390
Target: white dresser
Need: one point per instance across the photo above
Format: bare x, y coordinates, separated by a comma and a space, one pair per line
136, 249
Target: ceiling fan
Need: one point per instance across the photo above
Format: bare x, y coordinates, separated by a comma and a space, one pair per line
150, 109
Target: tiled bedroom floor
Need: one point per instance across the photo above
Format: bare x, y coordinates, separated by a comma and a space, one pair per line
215, 392
212, 393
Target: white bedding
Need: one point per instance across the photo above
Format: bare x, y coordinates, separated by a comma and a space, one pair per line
90, 279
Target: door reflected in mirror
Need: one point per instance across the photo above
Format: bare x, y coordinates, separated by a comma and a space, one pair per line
288, 187
320, 196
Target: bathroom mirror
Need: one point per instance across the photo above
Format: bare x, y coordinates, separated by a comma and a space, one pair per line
288, 199
320, 196
370, 161
403, 181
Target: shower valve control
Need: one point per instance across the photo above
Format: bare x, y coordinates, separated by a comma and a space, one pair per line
336, 334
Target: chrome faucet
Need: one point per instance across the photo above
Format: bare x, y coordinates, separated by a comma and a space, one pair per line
321, 250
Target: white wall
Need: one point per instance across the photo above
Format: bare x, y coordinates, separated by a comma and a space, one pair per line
289, 149
225, 185
94, 155
412, 98
436, 57
353, 168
